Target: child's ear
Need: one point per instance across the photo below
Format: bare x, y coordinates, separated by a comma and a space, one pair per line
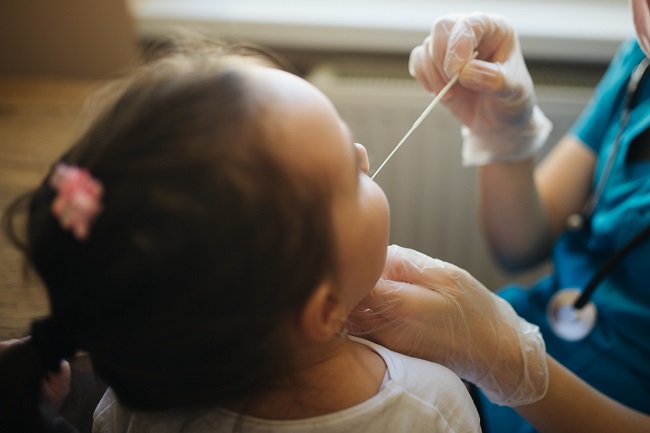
323, 315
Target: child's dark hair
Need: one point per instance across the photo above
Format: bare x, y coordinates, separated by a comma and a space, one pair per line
205, 246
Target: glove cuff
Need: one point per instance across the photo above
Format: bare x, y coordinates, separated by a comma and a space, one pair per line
508, 144
531, 384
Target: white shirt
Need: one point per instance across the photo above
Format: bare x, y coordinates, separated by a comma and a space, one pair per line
417, 396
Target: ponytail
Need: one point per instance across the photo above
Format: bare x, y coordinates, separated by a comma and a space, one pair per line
23, 367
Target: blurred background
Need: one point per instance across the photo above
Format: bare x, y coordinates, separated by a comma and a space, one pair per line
56, 53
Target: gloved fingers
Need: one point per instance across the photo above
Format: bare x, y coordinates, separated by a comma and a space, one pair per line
450, 48
404, 264
427, 60
455, 43
491, 35
407, 265
483, 77
398, 257
424, 70
499, 69
405, 317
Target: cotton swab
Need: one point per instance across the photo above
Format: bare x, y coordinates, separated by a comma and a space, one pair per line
424, 114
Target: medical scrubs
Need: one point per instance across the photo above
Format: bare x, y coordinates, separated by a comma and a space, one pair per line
615, 357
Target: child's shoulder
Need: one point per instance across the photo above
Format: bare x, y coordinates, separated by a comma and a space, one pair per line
424, 378
429, 393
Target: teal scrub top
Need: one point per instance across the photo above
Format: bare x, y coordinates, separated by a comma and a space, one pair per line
615, 357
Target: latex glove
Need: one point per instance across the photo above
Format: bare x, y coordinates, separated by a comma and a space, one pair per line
434, 310
496, 99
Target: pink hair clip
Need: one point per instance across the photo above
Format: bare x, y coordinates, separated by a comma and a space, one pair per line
78, 199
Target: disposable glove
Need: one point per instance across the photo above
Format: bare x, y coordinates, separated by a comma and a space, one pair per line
496, 99
436, 311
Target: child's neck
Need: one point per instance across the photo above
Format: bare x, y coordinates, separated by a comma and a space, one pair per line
339, 375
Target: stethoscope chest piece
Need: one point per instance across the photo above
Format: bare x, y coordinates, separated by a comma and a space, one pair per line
571, 315
568, 322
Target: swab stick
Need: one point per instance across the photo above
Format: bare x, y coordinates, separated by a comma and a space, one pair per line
424, 114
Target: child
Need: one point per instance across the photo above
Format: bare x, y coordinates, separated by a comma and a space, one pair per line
204, 241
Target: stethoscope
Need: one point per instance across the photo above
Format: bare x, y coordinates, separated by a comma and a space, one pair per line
571, 314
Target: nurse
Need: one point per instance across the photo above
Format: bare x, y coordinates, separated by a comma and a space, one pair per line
436, 311
597, 177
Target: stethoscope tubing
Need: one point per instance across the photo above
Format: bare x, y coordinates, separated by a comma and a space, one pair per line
636, 78
607, 267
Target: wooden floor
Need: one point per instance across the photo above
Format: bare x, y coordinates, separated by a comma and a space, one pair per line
39, 118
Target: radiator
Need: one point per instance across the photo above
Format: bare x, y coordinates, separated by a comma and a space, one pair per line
431, 196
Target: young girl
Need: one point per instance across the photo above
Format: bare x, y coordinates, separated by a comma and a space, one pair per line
204, 242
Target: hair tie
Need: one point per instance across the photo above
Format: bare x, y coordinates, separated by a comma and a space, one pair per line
52, 342
78, 199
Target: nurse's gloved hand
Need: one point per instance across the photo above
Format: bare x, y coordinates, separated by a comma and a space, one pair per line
496, 99
436, 311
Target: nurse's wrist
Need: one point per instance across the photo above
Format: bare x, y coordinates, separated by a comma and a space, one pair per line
518, 372
506, 143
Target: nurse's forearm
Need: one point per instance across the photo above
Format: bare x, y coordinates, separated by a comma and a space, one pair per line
512, 214
571, 405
